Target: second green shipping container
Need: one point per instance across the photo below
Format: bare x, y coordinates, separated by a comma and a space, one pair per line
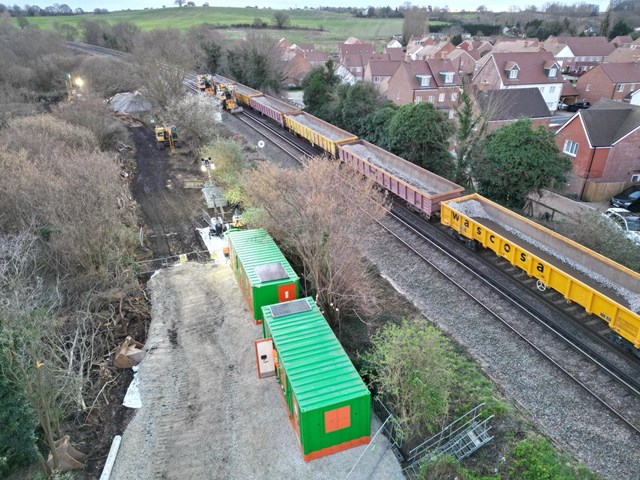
327, 401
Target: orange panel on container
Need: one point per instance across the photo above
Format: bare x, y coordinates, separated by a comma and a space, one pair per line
337, 419
286, 292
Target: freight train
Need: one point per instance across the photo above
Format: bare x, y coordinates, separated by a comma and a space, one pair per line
603, 287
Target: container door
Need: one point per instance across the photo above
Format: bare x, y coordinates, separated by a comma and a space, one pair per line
264, 357
296, 416
286, 292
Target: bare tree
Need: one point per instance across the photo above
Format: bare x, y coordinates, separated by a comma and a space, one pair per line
321, 214
179, 3
415, 23
197, 118
162, 59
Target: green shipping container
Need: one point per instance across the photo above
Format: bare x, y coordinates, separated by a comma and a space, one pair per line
262, 272
329, 405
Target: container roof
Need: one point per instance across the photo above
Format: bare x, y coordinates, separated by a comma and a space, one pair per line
260, 256
318, 368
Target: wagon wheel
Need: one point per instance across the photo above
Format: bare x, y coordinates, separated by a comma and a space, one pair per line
540, 285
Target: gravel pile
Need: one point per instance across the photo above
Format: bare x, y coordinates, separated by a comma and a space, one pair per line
129, 103
473, 208
562, 410
363, 152
329, 131
275, 104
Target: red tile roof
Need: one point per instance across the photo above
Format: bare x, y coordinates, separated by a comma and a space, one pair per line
385, 68
622, 72
586, 46
531, 65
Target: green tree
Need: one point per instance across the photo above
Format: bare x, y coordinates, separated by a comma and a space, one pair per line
620, 28
319, 86
353, 103
411, 369
375, 127
515, 160
420, 133
456, 39
606, 24
281, 19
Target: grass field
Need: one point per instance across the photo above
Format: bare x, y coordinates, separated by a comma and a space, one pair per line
334, 26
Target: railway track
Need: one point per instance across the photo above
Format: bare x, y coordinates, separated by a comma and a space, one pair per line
607, 375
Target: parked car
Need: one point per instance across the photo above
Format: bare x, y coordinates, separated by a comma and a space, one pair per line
625, 198
574, 107
629, 222
562, 106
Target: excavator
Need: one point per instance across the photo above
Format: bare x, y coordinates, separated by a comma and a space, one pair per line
166, 137
226, 93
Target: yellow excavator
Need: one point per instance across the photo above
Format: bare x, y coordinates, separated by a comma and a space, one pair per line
205, 84
166, 137
226, 93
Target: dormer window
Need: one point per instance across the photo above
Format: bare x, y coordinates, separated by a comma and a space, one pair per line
448, 77
512, 69
424, 80
553, 71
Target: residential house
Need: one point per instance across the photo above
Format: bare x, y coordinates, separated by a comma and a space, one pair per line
295, 69
623, 55
434, 80
503, 107
609, 80
379, 72
509, 45
395, 54
345, 75
463, 61
504, 71
482, 47
354, 48
622, 41
416, 43
587, 52
435, 50
317, 58
394, 44
562, 53
569, 93
603, 144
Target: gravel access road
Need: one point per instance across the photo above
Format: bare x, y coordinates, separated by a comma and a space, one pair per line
205, 413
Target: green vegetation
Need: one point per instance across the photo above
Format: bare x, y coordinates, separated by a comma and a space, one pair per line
515, 160
322, 27
533, 458
416, 368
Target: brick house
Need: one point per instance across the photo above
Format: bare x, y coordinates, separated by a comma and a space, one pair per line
379, 72
603, 144
623, 55
609, 80
295, 69
520, 45
464, 61
623, 41
587, 52
504, 107
505, 71
482, 47
356, 48
436, 50
435, 81
562, 53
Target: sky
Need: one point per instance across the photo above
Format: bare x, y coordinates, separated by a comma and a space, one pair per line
469, 5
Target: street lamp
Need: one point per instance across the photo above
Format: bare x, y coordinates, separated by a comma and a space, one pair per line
206, 165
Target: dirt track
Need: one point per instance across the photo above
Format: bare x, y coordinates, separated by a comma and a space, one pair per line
205, 414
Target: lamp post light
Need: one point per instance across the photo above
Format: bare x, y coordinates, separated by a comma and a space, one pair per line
206, 165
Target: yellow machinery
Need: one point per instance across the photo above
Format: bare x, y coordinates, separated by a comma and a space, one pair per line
205, 84
226, 93
166, 137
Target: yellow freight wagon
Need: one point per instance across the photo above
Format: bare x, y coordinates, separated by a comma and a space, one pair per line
318, 132
486, 228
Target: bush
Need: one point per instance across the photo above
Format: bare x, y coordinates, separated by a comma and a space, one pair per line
17, 435
107, 76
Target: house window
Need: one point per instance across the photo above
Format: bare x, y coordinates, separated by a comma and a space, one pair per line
542, 90
431, 98
418, 99
441, 97
588, 89
570, 148
454, 97
635, 177
451, 112
553, 71
448, 78
376, 79
620, 87
552, 89
513, 73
